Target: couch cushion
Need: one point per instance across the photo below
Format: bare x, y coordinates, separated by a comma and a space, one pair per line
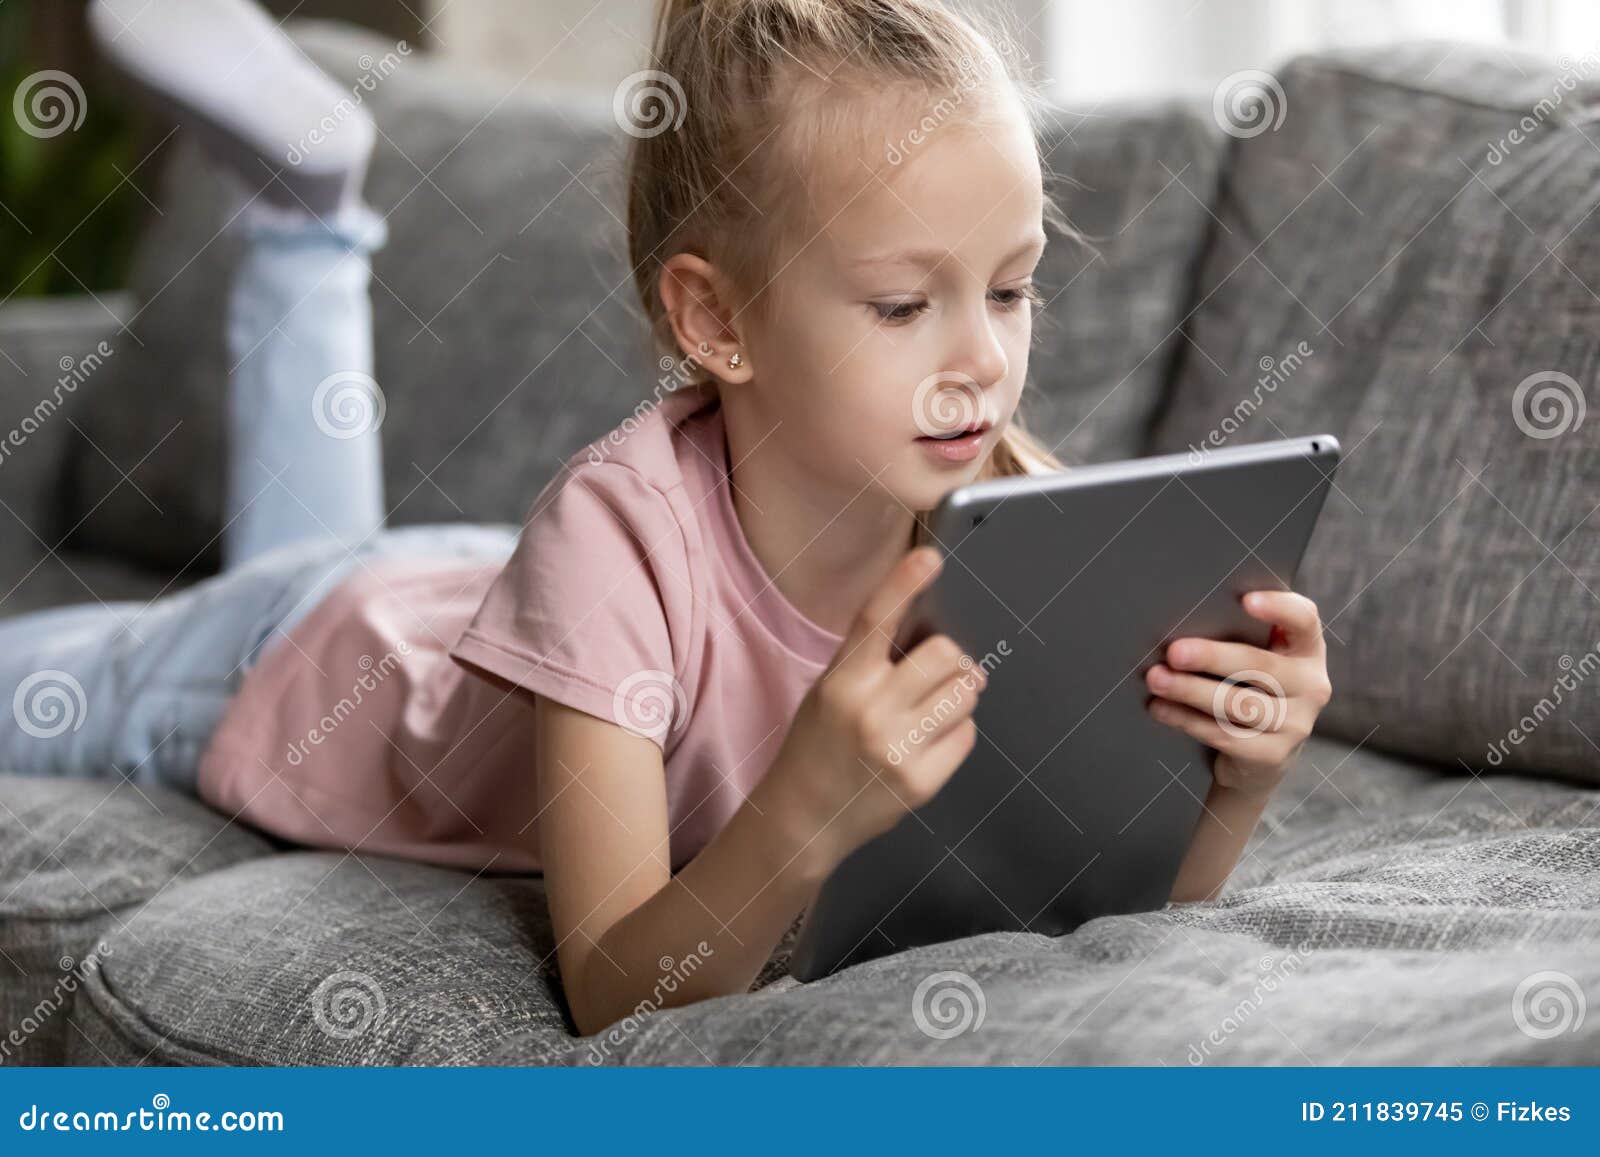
319, 958
506, 331
1397, 910
78, 859
1440, 274
1384, 912
1134, 182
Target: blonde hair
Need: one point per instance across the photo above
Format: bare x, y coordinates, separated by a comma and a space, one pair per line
736, 77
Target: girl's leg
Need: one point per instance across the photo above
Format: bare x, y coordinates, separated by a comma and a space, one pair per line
304, 458
134, 690
303, 408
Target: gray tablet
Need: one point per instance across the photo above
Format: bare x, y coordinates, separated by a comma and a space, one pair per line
1066, 588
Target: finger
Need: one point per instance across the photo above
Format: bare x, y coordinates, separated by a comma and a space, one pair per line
924, 723
1191, 722
1294, 615
953, 700
1253, 708
928, 666
949, 751
872, 632
1214, 657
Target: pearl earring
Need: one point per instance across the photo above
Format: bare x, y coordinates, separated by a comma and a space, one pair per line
735, 360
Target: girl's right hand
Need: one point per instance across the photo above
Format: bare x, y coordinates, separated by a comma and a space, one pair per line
874, 737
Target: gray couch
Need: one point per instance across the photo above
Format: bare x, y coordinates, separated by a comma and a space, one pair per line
1407, 898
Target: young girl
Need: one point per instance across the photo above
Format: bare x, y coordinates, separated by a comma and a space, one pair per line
675, 695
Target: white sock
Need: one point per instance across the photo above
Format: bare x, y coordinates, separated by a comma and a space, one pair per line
259, 104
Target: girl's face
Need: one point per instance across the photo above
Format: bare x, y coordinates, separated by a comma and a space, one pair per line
908, 314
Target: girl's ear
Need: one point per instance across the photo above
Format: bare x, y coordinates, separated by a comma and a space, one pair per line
702, 318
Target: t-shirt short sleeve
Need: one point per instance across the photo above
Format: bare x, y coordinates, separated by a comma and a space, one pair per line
595, 605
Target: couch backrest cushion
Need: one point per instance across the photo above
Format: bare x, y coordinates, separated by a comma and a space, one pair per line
1422, 221
506, 330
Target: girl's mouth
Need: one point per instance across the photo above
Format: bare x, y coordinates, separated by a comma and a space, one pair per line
962, 448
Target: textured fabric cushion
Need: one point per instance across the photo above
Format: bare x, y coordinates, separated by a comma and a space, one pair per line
51, 358
1384, 913
328, 959
506, 330
1456, 565
1134, 183
78, 860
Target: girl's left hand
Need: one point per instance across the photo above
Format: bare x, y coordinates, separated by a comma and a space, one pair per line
1257, 730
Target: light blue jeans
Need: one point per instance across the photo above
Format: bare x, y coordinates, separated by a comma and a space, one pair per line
134, 690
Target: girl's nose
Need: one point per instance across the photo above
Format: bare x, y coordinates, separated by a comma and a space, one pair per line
981, 353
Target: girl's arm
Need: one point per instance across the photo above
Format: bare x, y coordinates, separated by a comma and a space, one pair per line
1220, 835
633, 937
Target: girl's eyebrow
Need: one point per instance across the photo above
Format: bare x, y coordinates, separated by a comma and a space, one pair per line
928, 258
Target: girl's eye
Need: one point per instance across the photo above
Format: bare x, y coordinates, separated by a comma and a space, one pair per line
898, 311
1016, 295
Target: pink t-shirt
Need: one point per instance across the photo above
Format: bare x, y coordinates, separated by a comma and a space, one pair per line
377, 722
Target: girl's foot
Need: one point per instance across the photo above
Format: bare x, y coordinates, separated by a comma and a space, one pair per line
260, 106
